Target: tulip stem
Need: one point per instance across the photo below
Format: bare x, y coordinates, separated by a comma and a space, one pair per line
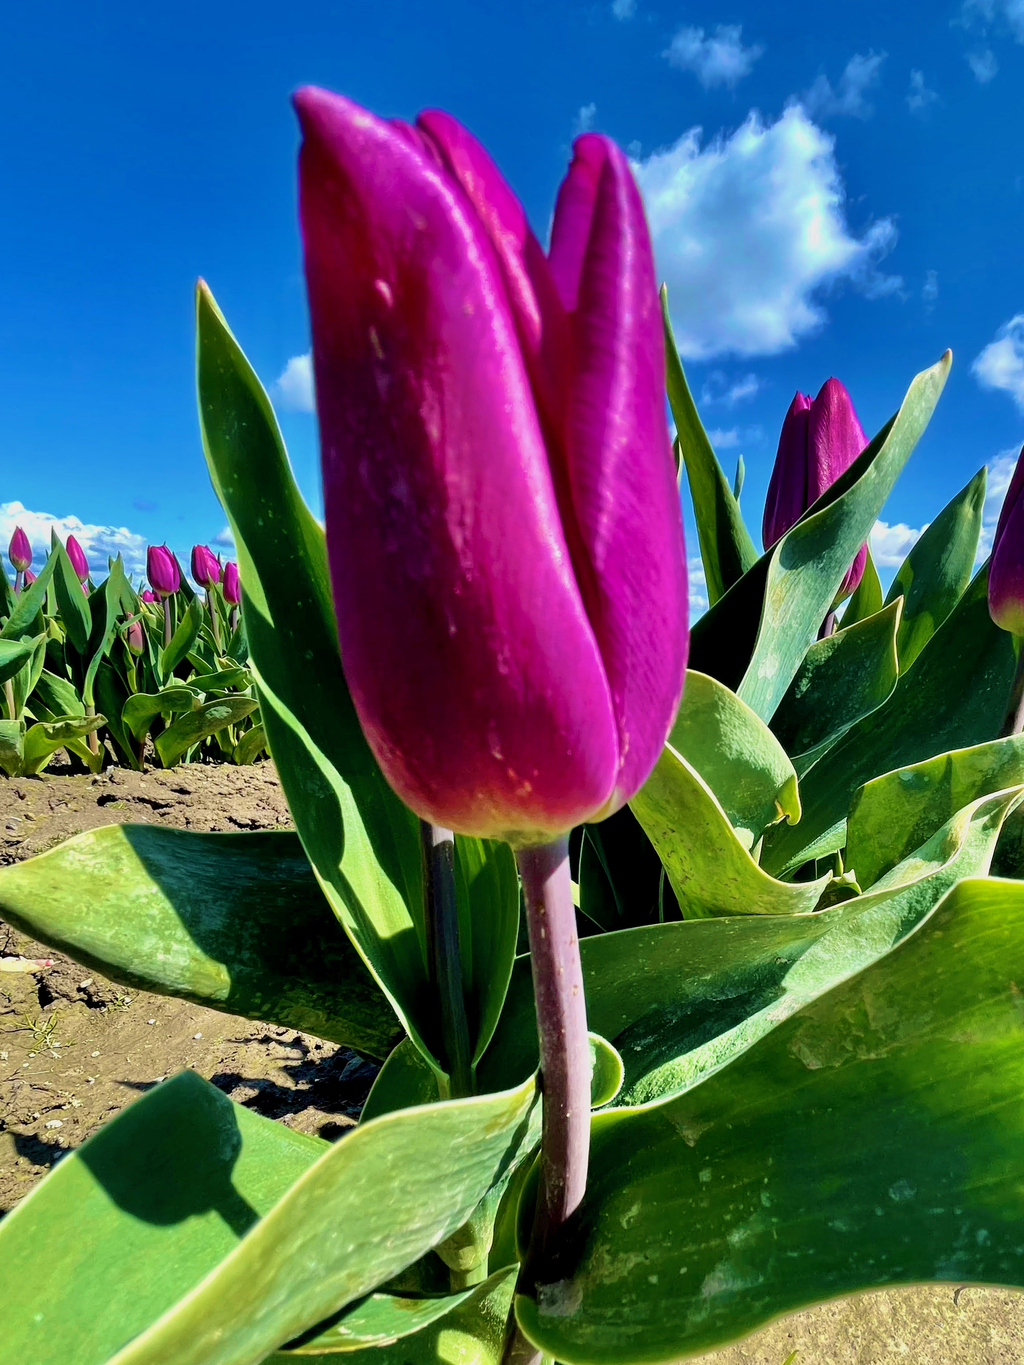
9, 696
17, 582
167, 621
214, 624
444, 967
1013, 721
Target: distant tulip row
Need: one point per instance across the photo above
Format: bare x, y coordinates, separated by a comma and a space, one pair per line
695, 999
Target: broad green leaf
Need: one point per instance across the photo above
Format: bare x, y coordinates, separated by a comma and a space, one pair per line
871, 1139
111, 698
25, 679
841, 679
754, 639
954, 697
183, 638
195, 726
57, 695
381, 1319
12, 746
105, 605
737, 756
223, 680
900, 810
236, 922
26, 618
8, 601
867, 599
43, 739
250, 746
14, 654
361, 840
142, 708
213, 1234
708, 864
938, 568
74, 607
726, 549
487, 891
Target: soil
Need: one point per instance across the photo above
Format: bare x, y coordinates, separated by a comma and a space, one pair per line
75, 1048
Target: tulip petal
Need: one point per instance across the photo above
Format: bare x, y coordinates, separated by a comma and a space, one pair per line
464, 640
834, 435
787, 500
620, 470
1006, 569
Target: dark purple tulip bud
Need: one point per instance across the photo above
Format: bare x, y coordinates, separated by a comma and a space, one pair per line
29, 577
819, 441
146, 596
162, 570
1006, 568
230, 585
20, 552
500, 495
205, 566
78, 560
134, 637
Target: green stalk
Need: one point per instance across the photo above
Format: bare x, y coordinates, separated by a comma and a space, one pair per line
214, 623
167, 621
1013, 721
444, 966
9, 696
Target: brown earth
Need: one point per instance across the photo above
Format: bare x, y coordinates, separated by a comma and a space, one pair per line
75, 1048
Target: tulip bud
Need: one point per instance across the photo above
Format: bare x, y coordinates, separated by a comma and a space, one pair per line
819, 441
134, 638
78, 560
500, 497
1006, 568
162, 570
230, 584
146, 596
205, 566
20, 551
30, 577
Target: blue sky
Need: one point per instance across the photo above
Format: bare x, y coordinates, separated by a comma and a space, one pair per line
832, 189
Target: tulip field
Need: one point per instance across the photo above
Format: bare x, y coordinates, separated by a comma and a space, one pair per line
687, 956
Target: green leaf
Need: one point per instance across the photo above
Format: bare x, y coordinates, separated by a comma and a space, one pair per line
195, 726
24, 681
222, 680
726, 549
75, 611
12, 746
183, 638
954, 697
737, 756
112, 697
105, 605
842, 679
754, 639
14, 654
708, 864
142, 708
867, 599
362, 841
26, 618
487, 892
57, 695
43, 739
236, 922
871, 1139
250, 746
938, 568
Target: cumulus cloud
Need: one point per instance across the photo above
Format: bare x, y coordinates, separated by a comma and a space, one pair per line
585, 118
698, 586
100, 543
225, 536
724, 440
749, 228
919, 97
1000, 472
717, 58
1005, 12
861, 74
984, 65
890, 545
718, 388
1001, 364
930, 288
294, 386
623, 9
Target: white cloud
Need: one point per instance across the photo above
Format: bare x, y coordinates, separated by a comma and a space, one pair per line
584, 120
724, 440
749, 228
862, 72
718, 389
919, 97
984, 65
890, 545
623, 9
294, 386
1001, 364
1011, 12
1000, 472
698, 585
225, 536
100, 543
930, 288
716, 59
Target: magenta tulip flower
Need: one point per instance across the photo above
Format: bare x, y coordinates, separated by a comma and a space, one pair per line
1006, 568
501, 504
230, 588
147, 596
819, 441
78, 560
205, 566
134, 638
30, 577
20, 551
162, 570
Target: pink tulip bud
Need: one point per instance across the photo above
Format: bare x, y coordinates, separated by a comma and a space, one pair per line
501, 504
162, 570
135, 638
1006, 569
30, 577
146, 596
78, 560
230, 585
205, 566
20, 552
819, 441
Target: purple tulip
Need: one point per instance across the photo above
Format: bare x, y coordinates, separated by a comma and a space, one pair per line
20, 551
819, 441
205, 566
146, 596
162, 570
78, 560
1006, 569
30, 577
230, 584
134, 638
501, 504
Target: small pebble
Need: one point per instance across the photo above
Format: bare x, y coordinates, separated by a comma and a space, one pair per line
197, 1035
54, 1123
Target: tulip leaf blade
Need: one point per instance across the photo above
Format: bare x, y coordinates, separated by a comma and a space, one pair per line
182, 640
26, 617
867, 599
938, 568
72, 603
746, 1197
43, 739
726, 549
235, 922
194, 726
14, 654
